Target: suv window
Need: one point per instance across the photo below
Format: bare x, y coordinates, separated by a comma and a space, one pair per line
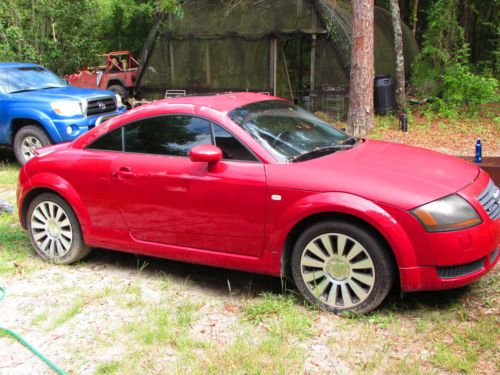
167, 135
232, 149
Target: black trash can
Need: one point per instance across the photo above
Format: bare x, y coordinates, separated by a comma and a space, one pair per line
385, 101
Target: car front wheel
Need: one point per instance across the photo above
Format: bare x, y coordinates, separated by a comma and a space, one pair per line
27, 140
341, 266
54, 230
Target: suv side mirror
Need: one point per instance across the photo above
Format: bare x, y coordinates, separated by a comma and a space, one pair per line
205, 154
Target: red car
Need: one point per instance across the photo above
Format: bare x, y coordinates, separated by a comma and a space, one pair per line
254, 183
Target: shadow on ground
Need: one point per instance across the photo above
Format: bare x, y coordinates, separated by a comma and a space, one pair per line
219, 281
6, 155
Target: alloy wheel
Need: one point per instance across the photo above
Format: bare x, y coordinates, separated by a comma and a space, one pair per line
338, 270
51, 229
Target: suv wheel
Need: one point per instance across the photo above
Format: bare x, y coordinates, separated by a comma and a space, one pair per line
27, 140
340, 266
120, 90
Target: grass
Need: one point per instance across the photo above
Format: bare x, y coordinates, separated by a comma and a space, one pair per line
69, 313
271, 355
279, 313
108, 368
8, 175
16, 255
40, 318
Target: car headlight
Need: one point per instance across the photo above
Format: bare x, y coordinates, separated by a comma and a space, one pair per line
67, 108
447, 214
119, 102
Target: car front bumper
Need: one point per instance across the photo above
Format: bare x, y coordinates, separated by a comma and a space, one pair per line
446, 277
448, 260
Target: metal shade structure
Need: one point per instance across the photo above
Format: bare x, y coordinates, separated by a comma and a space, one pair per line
296, 49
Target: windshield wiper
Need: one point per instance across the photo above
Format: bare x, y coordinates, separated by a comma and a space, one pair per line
23, 90
320, 151
349, 141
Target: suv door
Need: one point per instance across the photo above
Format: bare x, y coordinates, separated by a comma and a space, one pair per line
166, 198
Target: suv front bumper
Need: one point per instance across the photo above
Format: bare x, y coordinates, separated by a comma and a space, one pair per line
79, 126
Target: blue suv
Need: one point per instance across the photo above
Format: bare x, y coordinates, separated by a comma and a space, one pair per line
38, 108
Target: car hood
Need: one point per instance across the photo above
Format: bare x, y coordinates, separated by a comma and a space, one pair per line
392, 173
62, 93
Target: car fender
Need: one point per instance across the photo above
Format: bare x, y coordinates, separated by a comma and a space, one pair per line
58, 185
348, 204
35, 115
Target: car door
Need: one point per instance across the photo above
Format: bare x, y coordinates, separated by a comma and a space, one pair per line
90, 173
166, 198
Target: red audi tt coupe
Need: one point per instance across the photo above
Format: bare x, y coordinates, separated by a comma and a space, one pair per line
252, 182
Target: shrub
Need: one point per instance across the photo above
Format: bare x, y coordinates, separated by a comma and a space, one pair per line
441, 70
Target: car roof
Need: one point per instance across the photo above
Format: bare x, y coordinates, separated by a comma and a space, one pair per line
219, 102
10, 65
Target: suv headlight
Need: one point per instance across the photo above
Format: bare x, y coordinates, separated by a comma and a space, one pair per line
447, 214
119, 102
67, 108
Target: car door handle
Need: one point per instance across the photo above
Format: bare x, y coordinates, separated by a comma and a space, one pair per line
123, 172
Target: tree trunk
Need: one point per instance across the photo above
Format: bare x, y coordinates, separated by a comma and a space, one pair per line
415, 17
467, 18
361, 117
400, 60
405, 10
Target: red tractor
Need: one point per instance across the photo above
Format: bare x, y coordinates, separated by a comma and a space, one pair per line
117, 73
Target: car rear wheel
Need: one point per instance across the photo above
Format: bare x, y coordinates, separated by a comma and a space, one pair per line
27, 140
54, 230
340, 266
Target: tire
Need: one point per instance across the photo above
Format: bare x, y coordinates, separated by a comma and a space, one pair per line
54, 230
27, 140
120, 90
356, 279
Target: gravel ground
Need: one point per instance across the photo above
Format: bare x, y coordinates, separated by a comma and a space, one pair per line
112, 294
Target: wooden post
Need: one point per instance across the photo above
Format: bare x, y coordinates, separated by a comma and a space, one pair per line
273, 69
312, 83
172, 63
207, 61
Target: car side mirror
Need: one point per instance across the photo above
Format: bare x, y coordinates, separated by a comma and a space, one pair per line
205, 154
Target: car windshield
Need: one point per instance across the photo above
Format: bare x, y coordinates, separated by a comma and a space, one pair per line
288, 132
28, 79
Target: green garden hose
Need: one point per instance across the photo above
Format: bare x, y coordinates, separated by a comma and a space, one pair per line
8, 332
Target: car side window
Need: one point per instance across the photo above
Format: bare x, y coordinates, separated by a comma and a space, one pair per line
111, 141
232, 148
167, 135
